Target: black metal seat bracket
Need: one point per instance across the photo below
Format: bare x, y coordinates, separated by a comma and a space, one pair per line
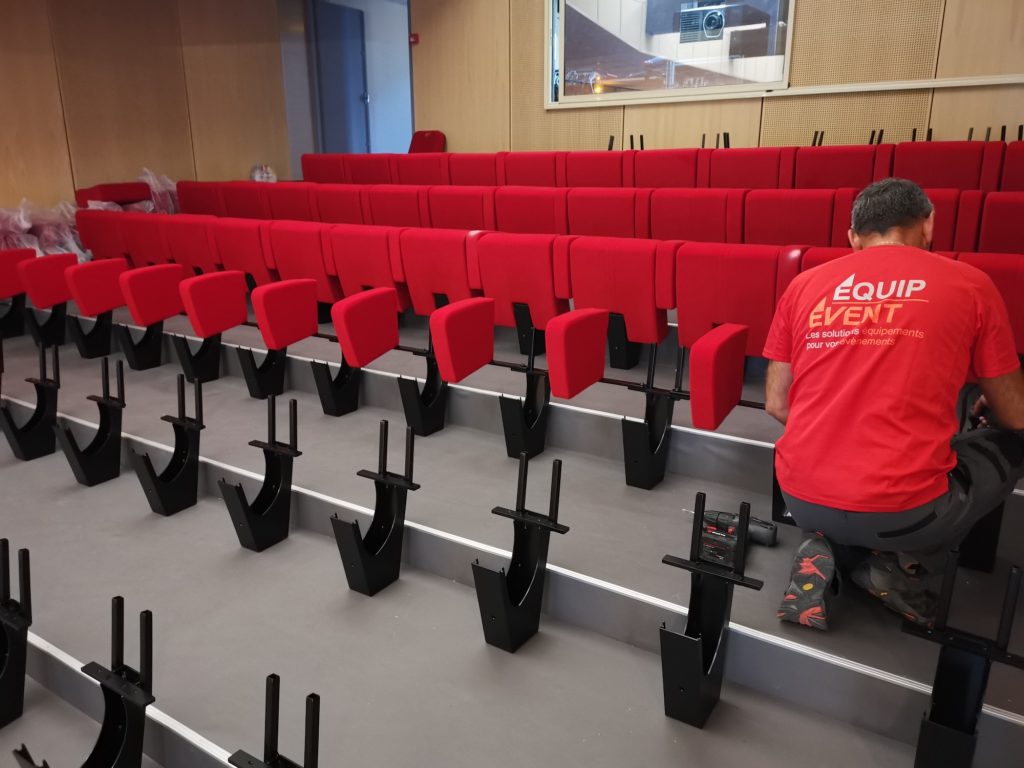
203, 365
15, 619
12, 324
99, 461
272, 758
646, 444
97, 340
525, 421
339, 394
147, 352
266, 379
36, 437
52, 332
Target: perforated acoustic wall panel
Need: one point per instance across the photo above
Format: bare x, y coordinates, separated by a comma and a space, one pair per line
985, 38
846, 118
681, 125
864, 41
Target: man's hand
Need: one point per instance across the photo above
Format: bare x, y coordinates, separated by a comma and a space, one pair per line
980, 412
776, 390
1003, 398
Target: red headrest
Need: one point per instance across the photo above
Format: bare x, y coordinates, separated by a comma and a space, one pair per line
291, 200
285, 311
95, 285
434, 262
420, 168
463, 336
10, 277
392, 205
428, 141
367, 169
151, 293
43, 279
950, 164
215, 302
367, 325
200, 197
520, 269
575, 350
245, 199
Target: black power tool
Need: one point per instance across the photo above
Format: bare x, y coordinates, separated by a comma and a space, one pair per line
718, 538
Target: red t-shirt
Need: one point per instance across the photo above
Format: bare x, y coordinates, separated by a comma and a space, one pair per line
880, 343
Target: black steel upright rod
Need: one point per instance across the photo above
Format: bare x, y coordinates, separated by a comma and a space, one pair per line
117, 634
410, 436
740, 553
270, 727
24, 584
272, 419
521, 488
5, 570
293, 424
311, 754
181, 396
698, 525
146, 651
1009, 609
105, 377
199, 401
556, 488
382, 447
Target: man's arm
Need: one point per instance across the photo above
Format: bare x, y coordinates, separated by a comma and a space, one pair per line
776, 389
1003, 396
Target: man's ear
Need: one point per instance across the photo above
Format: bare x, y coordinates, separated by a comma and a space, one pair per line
928, 229
855, 242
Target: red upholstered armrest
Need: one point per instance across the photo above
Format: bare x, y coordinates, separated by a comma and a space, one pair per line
10, 277
151, 293
43, 279
575, 349
367, 325
285, 311
716, 374
94, 285
463, 336
215, 302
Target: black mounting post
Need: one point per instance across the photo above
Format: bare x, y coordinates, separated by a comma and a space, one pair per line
1020, 132
177, 486
374, 562
872, 139
725, 139
339, 394
530, 337
15, 619
646, 444
814, 139
692, 663
631, 141
266, 379
52, 332
718, 138
929, 137
970, 133
272, 758
948, 732
200, 366
988, 133
1002, 133
913, 134
525, 422
12, 324
101, 459
622, 353
510, 602
881, 133
147, 352
821, 137
611, 142
36, 437
425, 410
703, 140
265, 520
641, 141
126, 694
96, 341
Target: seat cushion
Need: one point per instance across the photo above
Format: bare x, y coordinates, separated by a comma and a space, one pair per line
10, 276
151, 293
463, 337
43, 279
215, 302
95, 285
716, 374
367, 325
575, 351
285, 312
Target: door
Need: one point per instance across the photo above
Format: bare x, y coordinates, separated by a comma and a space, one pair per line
341, 78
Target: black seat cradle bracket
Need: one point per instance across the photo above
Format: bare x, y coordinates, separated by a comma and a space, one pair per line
339, 394
15, 619
12, 323
272, 757
266, 379
266, 519
100, 460
96, 342
510, 602
948, 735
693, 662
622, 353
374, 561
176, 487
524, 420
425, 408
203, 365
36, 437
147, 352
52, 332
126, 695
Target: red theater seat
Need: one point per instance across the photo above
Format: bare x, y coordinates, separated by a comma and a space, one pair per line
100, 232
43, 279
832, 167
245, 199
291, 200
240, 247
532, 169
421, 168
200, 197
575, 351
396, 206
656, 168
599, 169
1007, 272
11, 284
366, 325
285, 312
367, 169
143, 239
1002, 223
151, 293
709, 215
365, 257
950, 164
190, 242
435, 263
122, 193
609, 212
95, 285
532, 210
463, 336
1013, 168
477, 169
297, 250
784, 216
461, 207
814, 257
428, 141
519, 269
323, 169
753, 168
716, 374
957, 216
216, 302
339, 203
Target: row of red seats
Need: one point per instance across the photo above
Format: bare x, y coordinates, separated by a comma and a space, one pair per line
985, 165
965, 220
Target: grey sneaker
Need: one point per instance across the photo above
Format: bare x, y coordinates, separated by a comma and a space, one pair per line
913, 596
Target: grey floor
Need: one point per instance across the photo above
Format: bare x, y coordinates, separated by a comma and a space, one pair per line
405, 677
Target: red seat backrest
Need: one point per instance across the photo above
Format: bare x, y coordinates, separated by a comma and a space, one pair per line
362, 257
1007, 272
339, 203
298, 252
391, 205
711, 215
428, 141
950, 164
1002, 223
10, 276
200, 197
216, 302
461, 207
473, 169
657, 168
785, 216
421, 168
190, 242
1013, 168
519, 269
291, 200
599, 169
609, 212
151, 293
100, 232
43, 279
532, 169
621, 276
245, 199
814, 257
434, 261
122, 193
753, 168
718, 284
532, 210
323, 168
143, 238
240, 246
95, 285
367, 169
832, 167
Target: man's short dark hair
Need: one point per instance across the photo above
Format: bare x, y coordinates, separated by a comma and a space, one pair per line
889, 203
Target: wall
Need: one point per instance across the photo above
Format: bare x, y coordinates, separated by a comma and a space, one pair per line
470, 50
96, 91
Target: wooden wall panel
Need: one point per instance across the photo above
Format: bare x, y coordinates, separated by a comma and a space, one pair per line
232, 56
956, 110
34, 160
681, 125
982, 38
123, 88
461, 72
846, 118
